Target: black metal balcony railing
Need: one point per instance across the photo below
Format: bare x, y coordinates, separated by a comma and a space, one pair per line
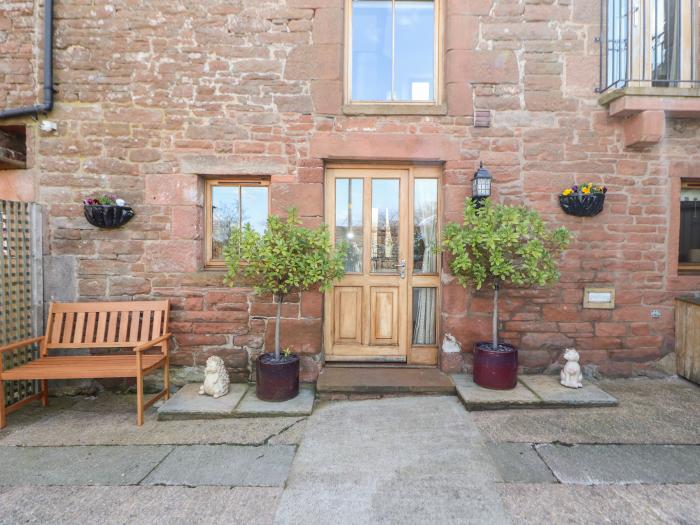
648, 43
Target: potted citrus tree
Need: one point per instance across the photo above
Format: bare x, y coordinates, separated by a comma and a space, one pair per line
496, 245
286, 258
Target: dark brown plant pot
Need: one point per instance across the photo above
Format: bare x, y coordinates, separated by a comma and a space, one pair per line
277, 380
495, 369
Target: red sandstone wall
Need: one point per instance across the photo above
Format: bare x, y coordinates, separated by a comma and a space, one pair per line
150, 94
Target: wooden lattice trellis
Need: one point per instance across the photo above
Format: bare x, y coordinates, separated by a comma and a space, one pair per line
21, 308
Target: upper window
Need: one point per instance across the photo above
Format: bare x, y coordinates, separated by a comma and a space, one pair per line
392, 51
689, 239
231, 203
648, 43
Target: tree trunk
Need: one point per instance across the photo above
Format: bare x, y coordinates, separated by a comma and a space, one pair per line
277, 327
494, 333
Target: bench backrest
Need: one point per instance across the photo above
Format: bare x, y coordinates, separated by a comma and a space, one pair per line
106, 325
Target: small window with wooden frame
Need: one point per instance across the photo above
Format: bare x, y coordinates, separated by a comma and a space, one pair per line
689, 228
393, 57
232, 202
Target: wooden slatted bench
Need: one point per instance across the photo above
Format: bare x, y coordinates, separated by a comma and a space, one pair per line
141, 327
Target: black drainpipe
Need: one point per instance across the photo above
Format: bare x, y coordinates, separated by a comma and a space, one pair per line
48, 72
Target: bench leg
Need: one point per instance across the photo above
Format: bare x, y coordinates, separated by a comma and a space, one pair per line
139, 398
45, 392
3, 410
166, 377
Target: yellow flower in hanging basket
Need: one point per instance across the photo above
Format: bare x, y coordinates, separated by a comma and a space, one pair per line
567, 192
585, 190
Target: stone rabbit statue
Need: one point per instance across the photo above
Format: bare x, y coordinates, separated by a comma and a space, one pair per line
571, 375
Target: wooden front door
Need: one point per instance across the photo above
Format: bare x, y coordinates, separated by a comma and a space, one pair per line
384, 308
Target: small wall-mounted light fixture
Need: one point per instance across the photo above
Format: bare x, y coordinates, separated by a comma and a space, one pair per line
481, 185
48, 126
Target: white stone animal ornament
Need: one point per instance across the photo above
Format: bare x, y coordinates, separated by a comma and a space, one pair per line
450, 344
571, 375
216, 380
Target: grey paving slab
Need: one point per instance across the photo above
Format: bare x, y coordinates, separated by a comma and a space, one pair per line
650, 411
537, 504
229, 465
187, 403
302, 405
520, 463
104, 425
552, 393
138, 505
78, 465
601, 464
475, 397
393, 460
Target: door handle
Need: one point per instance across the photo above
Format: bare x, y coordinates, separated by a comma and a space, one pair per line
402, 268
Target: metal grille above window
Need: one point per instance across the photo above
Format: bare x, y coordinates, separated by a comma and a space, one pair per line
648, 43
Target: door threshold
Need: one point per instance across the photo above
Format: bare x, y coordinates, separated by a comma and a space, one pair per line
372, 364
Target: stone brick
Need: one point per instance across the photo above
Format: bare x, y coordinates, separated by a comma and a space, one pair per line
302, 335
328, 26
488, 67
462, 32
320, 61
186, 222
172, 189
460, 99
327, 96
123, 285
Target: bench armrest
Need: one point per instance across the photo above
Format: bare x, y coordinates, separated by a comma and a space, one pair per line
20, 344
153, 342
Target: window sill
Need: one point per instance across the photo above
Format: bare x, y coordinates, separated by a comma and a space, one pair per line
675, 102
688, 269
394, 109
644, 111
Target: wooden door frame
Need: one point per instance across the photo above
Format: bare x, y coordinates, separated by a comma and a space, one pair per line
419, 354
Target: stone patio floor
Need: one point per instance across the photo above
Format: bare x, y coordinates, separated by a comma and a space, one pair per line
392, 460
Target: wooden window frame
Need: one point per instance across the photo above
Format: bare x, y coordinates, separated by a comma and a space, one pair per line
361, 107
685, 268
640, 58
209, 185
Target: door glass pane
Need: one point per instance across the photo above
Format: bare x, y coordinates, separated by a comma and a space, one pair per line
425, 226
424, 316
348, 221
254, 207
385, 225
666, 42
371, 50
225, 216
414, 56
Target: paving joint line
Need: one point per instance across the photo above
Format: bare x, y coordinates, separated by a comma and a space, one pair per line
266, 441
534, 447
172, 449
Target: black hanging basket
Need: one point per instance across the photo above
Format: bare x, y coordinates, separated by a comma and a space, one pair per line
108, 216
582, 205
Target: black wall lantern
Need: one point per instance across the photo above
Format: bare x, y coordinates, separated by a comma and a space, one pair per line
481, 185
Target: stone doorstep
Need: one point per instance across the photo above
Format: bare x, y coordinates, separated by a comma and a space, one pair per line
532, 391
241, 401
368, 380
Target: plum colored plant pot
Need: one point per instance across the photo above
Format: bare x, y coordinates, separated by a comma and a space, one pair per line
497, 370
277, 380
107, 216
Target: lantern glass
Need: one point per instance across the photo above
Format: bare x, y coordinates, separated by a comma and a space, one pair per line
481, 186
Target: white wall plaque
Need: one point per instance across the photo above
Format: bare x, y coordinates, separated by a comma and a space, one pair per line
599, 297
